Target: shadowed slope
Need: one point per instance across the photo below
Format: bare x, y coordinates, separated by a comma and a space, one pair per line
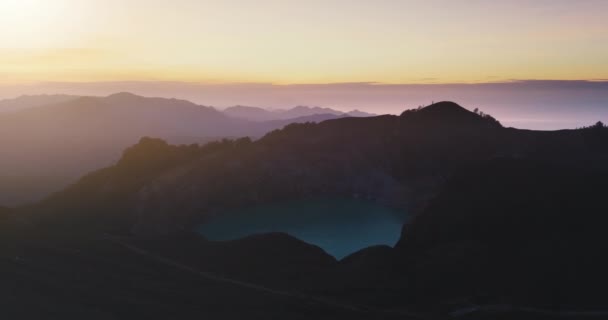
516, 231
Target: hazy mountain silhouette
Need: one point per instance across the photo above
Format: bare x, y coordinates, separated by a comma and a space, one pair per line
359, 113
31, 101
260, 114
53, 140
251, 113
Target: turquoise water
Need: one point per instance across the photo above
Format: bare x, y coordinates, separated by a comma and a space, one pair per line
339, 226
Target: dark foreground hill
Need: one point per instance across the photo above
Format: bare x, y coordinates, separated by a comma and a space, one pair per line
517, 231
105, 279
506, 224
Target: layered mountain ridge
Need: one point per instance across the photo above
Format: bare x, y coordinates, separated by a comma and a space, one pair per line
68, 136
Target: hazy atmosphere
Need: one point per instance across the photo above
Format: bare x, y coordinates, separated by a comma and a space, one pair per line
531, 104
320, 159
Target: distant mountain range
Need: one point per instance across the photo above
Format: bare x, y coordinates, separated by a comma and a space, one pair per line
32, 101
242, 112
260, 114
49, 141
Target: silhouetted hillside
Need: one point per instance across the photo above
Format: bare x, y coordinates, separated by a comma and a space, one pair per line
108, 278
510, 231
505, 222
4, 214
275, 259
448, 114
315, 118
113, 189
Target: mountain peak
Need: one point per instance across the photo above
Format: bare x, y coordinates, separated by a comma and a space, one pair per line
359, 113
445, 107
123, 95
448, 112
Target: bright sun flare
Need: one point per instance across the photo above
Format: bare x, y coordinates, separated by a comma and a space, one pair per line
26, 23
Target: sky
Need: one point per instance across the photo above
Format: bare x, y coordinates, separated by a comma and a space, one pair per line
296, 42
531, 63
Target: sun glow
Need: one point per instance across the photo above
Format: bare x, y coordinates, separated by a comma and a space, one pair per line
32, 23
14, 9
